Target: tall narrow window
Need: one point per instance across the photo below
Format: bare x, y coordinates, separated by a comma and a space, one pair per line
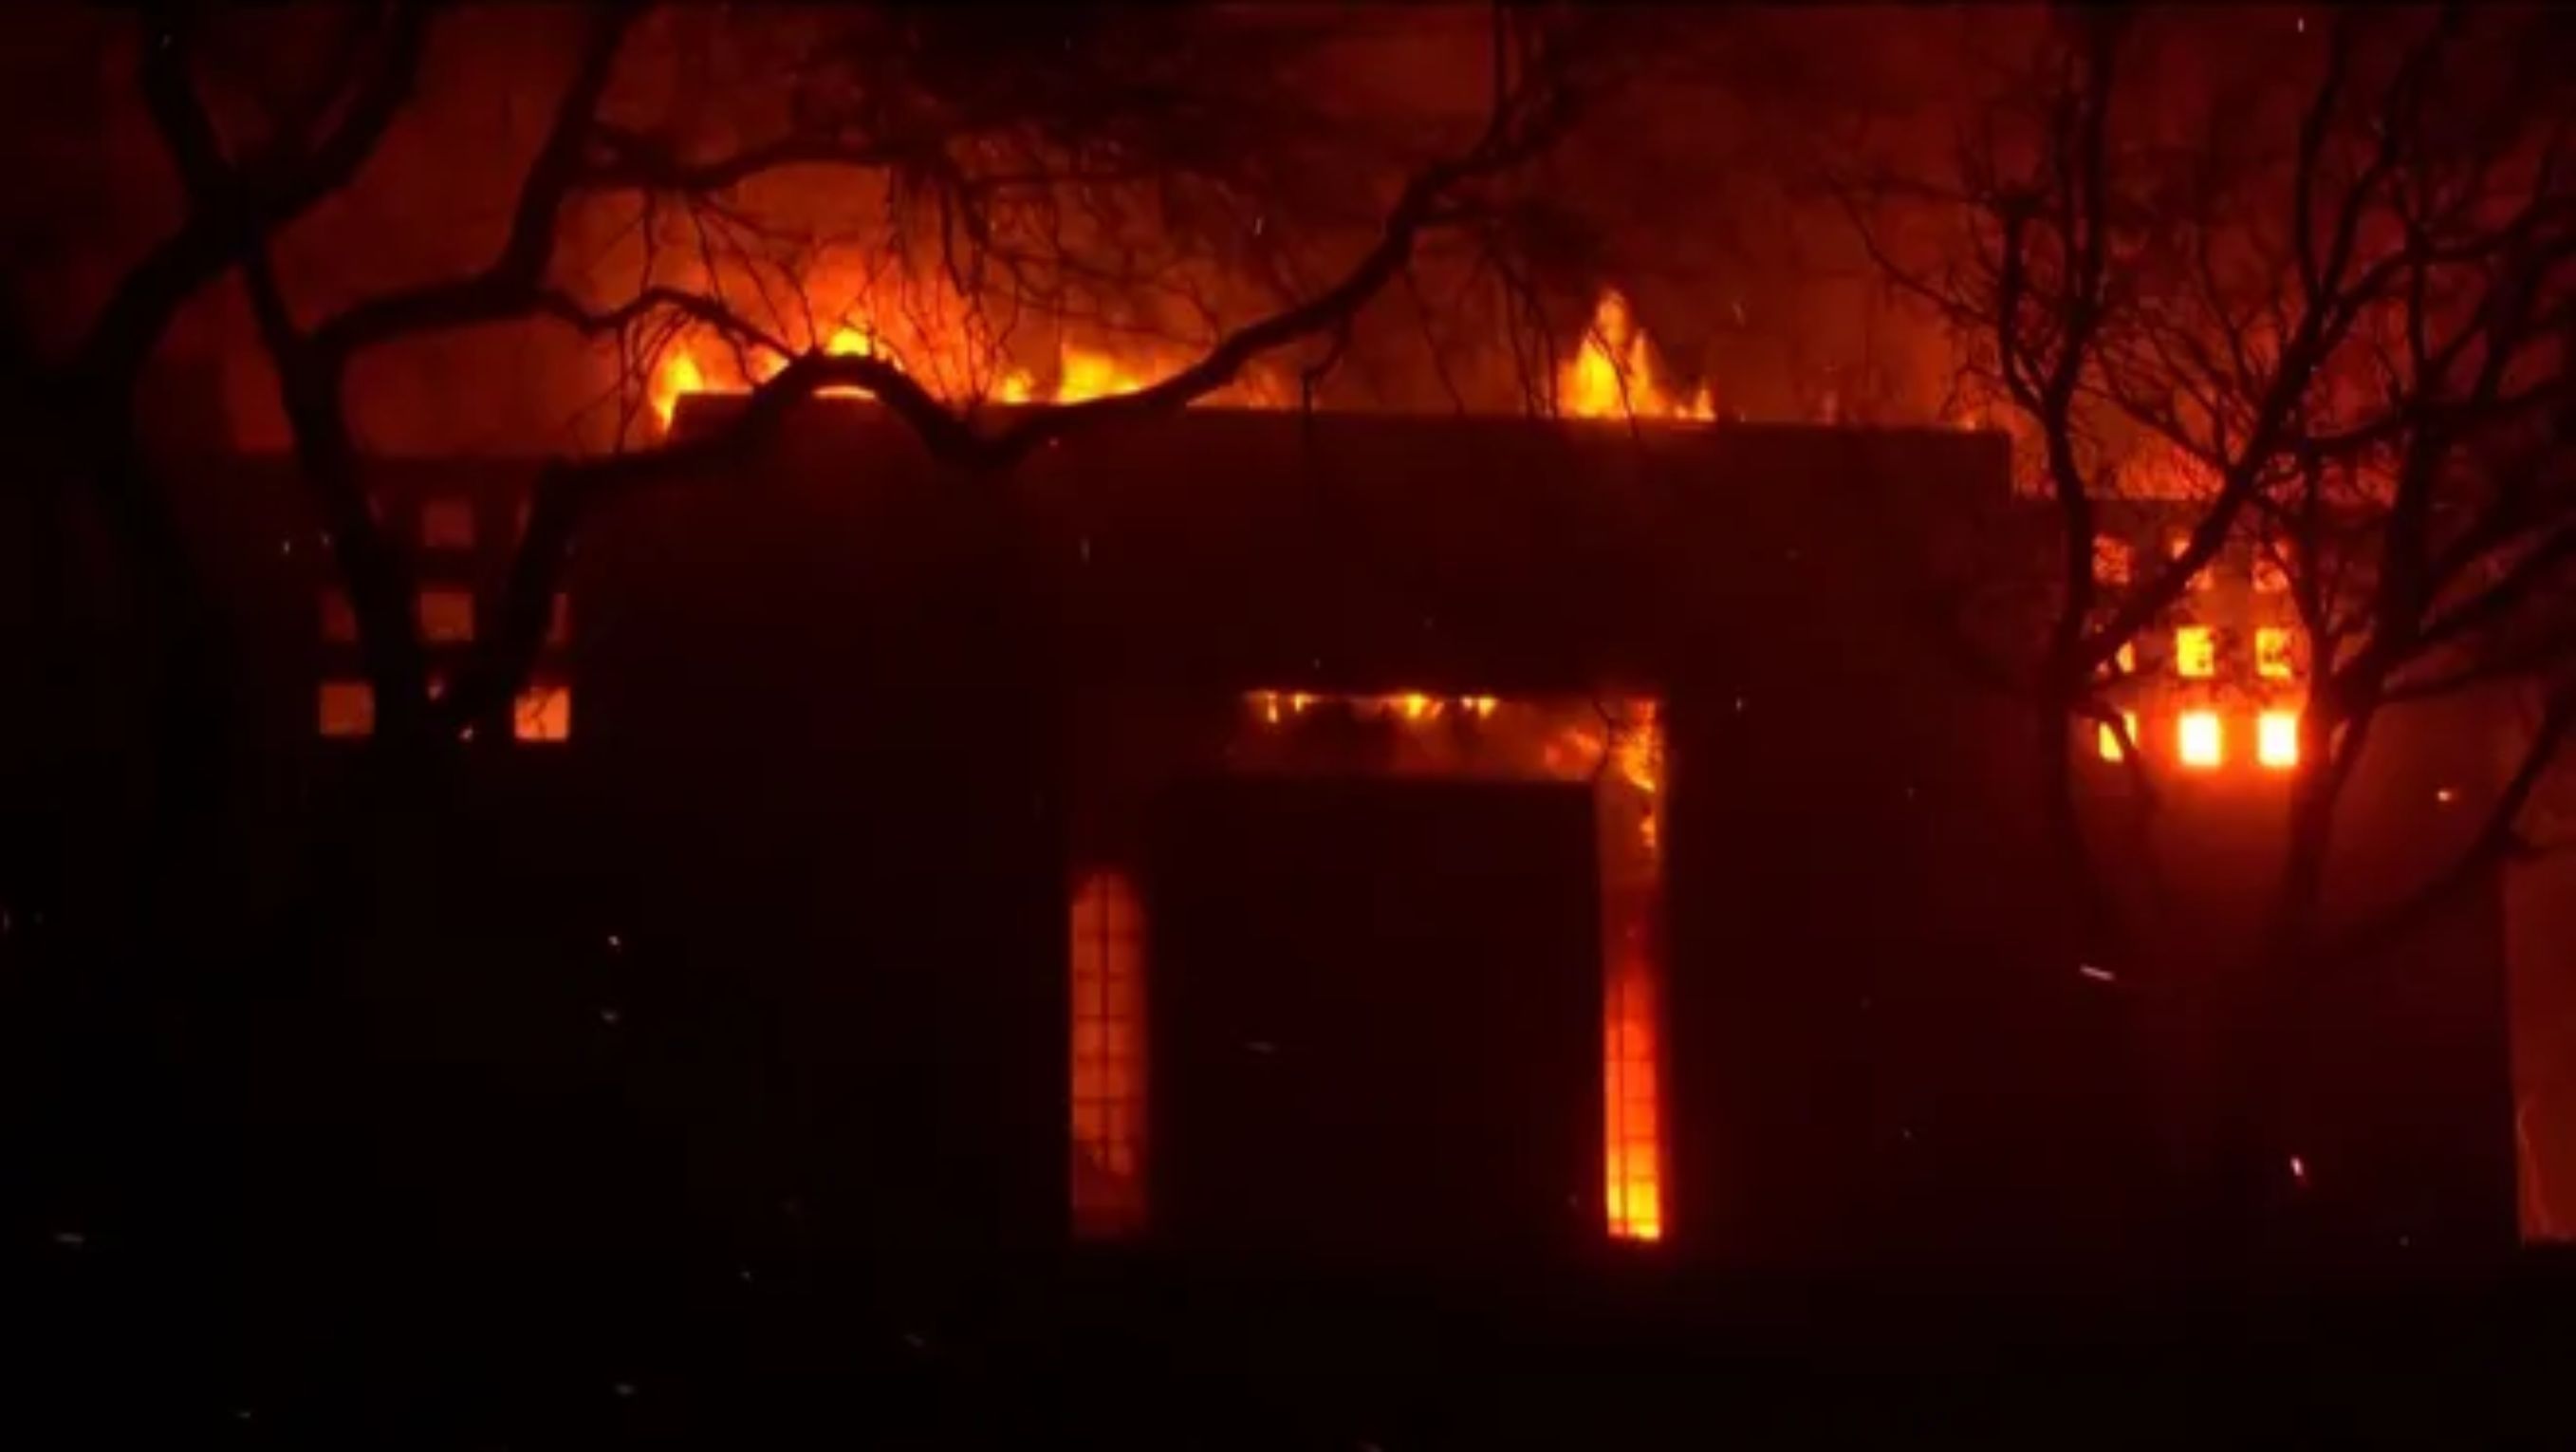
1108, 1057
1628, 809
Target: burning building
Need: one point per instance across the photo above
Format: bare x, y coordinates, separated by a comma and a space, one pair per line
1413, 840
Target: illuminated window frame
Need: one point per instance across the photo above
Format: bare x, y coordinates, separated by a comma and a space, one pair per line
2200, 740
2273, 653
2276, 740
1616, 746
2196, 652
446, 615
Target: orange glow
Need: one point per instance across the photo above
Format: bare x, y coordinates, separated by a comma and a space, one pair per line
1107, 1056
446, 616
2276, 739
2109, 740
2111, 560
1632, 968
1560, 739
2177, 544
947, 358
2272, 653
2196, 652
1613, 374
346, 708
678, 374
2201, 742
543, 712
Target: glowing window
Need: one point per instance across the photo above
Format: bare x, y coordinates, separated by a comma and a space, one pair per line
2201, 742
447, 524
339, 620
1108, 1057
2196, 652
2272, 653
2111, 559
2176, 545
2127, 658
446, 616
543, 712
2276, 739
346, 708
2109, 740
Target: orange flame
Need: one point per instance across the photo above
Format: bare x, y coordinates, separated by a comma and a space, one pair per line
678, 374
704, 365
1613, 375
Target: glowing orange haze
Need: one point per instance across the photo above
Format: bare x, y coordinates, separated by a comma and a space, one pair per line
1612, 375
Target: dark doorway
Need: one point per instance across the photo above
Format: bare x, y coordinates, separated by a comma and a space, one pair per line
1377, 1014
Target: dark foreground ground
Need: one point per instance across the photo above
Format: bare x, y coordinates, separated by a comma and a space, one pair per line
113, 1345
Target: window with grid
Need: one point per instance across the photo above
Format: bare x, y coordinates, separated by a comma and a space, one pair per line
1108, 1056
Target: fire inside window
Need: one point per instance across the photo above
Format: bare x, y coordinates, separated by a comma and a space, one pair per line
2196, 652
1616, 748
542, 712
2200, 740
2276, 739
2109, 740
2272, 653
1108, 1056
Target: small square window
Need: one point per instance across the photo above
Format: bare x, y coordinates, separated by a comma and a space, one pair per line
2196, 652
2111, 559
447, 616
2272, 653
2200, 741
2276, 739
543, 712
339, 620
447, 524
346, 708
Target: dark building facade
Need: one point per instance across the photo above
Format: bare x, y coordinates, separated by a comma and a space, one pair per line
1245, 836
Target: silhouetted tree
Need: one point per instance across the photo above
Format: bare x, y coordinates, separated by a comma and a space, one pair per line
2318, 306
